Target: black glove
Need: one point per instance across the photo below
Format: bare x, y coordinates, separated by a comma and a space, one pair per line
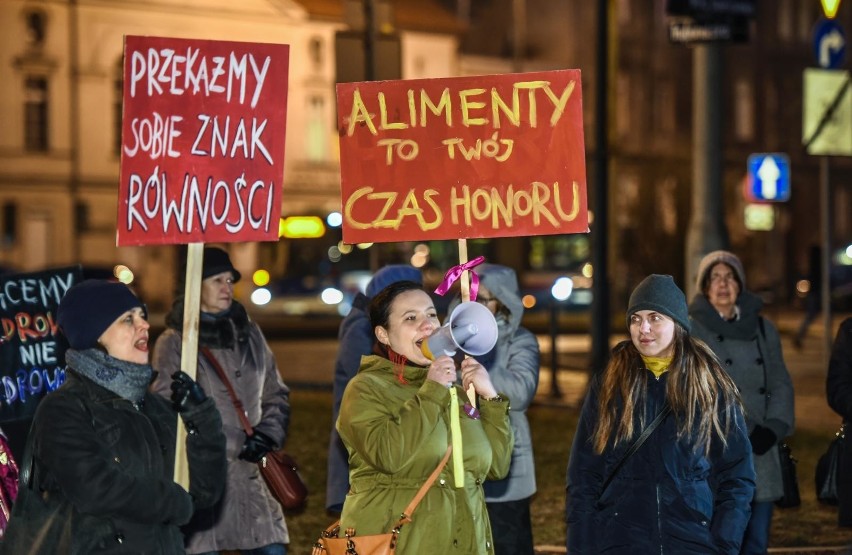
256, 446
762, 439
186, 393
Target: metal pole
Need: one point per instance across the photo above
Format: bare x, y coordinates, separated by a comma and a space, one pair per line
706, 230
519, 30
554, 353
369, 42
600, 320
825, 208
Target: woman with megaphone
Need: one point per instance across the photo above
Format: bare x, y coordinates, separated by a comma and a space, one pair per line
398, 417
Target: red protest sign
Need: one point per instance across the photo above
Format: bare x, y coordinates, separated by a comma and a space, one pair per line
202, 141
467, 157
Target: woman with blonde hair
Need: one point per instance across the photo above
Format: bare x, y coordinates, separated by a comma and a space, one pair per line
661, 461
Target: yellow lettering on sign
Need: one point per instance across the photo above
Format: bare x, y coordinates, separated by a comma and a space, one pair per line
383, 113
444, 105
350, 202
463, 202
412, 108
575, 207
467, 105
541, 202
497, 106
358, 114
559, 103
531, 87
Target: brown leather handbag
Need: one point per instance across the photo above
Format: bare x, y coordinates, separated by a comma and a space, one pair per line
330, 542
278, 469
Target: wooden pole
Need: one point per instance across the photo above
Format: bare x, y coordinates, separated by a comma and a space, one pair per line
189, 346
464, 282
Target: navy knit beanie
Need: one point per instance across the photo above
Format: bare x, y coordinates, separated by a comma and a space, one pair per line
90, 307
392, 274
659, 293
217, 261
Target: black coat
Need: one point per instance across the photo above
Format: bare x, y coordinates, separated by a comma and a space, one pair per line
667, 498
107, 469
839, 392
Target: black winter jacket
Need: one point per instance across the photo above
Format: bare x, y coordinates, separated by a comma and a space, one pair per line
108, 468
667, 498
839, 392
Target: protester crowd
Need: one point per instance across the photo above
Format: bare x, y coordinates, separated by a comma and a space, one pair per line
679, 435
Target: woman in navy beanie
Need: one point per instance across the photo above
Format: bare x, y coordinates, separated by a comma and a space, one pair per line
103, 448
687, 488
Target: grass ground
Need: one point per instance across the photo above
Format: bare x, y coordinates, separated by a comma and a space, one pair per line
553, 427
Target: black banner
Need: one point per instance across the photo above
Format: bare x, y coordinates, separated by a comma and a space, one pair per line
32, 355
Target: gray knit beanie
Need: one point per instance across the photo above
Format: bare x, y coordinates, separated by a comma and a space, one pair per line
659, 293
702, 280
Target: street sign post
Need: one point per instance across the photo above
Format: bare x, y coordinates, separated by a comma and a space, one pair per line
769, 177
827, 115
829, 44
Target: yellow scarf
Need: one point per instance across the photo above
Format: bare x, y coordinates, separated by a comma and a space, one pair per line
657, 365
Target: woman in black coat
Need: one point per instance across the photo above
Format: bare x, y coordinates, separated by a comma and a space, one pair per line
687, 489
103, 448
839, 392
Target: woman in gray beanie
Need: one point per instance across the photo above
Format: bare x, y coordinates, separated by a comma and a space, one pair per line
727, 317
103, 448
687, 488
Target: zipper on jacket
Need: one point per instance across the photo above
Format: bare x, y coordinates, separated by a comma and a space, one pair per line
659, 520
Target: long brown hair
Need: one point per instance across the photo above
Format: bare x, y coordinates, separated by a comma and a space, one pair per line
701, 394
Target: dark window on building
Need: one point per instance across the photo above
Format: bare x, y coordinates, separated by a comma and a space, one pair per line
35, 114
81, 217
10, 223
36, 28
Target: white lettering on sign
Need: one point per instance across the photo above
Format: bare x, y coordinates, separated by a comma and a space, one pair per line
197, 205
161, 72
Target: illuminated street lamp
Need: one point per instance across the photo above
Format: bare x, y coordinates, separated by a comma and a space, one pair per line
560, 292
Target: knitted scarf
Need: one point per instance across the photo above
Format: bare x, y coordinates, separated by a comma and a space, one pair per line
126, 379
215, 330
744, 328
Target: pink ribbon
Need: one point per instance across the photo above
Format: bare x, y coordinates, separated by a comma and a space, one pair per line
454, 273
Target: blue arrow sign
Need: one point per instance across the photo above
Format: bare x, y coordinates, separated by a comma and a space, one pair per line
769, 177
829, 44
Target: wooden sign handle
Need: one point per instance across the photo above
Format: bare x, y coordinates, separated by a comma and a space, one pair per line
464, 282
189, 347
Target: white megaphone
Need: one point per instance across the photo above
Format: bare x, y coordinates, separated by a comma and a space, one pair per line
471, 329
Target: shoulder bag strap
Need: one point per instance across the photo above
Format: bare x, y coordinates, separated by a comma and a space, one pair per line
418, 497
241, 412
635, 447
406, 515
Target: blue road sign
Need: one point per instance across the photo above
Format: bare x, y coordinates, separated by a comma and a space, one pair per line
829, 44
769, 177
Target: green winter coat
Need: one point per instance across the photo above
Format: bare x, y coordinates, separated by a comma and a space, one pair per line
396, 435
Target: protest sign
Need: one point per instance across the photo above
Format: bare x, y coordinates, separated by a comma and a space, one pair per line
33, 360
203, 132
466, 157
